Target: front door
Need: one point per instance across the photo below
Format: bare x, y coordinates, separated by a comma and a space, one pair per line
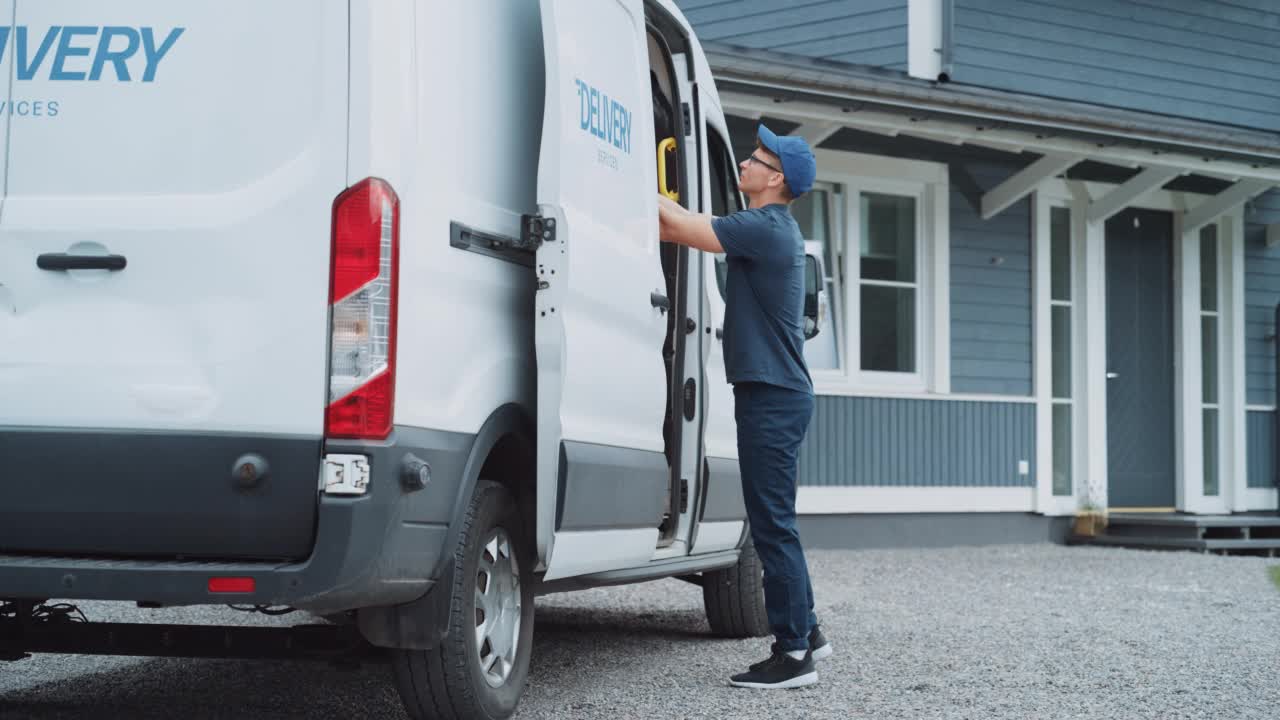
1140, 372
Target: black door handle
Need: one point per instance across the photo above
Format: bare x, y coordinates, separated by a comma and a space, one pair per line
659, 301
63, 261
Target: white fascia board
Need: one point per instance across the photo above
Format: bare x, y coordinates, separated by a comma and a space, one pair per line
740, 103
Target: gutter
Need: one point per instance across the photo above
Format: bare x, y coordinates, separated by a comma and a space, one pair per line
785, 76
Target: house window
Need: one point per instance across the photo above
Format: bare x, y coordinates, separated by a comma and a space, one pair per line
888, 283
1210, 316
1061, 308
880, 226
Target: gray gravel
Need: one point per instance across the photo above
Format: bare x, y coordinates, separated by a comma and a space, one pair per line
1001, 632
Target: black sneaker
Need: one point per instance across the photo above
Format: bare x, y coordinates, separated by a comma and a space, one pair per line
779, 672
818, 644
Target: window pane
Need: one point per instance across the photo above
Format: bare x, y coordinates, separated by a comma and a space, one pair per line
1209, 358
1209, 267
1060, 253
888, 237
1061, 351
888, 329
1062, 450
1210, 451
810, 212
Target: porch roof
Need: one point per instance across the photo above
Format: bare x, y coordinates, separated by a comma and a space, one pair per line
824, 97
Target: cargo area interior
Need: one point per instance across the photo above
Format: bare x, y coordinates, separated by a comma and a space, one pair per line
668, 123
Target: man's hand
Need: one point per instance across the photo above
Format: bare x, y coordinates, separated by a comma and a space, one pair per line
678, 225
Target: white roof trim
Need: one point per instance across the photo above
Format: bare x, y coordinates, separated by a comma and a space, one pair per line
1059, 153
805, 112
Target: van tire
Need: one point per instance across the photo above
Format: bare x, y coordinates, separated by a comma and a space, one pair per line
734, 597
447, 681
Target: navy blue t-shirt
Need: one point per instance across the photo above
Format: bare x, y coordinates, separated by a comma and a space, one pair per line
764, 314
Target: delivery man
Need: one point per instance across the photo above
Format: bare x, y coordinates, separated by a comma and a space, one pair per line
773, 393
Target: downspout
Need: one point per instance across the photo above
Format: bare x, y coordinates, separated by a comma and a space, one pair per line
948, 27
1275, 445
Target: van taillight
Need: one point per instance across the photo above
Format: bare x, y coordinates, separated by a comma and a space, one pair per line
363, 287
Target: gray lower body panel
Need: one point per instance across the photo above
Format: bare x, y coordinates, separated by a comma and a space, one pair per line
379, 548
611, 488
724, 492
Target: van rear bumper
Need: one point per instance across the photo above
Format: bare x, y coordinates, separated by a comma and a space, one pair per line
380, 548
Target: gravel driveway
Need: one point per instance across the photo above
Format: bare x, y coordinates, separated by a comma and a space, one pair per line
1020, 632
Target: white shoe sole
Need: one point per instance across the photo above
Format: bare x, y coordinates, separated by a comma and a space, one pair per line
795, 682
823, 652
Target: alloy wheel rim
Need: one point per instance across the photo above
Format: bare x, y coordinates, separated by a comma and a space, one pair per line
498, 608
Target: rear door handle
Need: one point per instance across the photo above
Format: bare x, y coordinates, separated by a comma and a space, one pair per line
61, 261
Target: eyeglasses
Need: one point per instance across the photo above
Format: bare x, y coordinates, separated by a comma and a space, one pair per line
752, 158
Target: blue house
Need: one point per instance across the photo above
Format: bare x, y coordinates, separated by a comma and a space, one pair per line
1052, 248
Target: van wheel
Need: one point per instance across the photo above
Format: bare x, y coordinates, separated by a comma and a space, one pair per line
479, 670
734, 597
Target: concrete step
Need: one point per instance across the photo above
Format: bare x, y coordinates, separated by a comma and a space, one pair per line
1267, 545
1206, 521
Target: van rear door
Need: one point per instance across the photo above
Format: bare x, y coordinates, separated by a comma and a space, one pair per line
603, 478
165, 247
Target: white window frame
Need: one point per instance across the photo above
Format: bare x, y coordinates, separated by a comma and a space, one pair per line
835, 288
856, 173
1218, 316
1048, 197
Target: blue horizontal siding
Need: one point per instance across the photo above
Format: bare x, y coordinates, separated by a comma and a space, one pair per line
991, 301
1210, 60
1262, 294
856, 441
863, 32
1261, 449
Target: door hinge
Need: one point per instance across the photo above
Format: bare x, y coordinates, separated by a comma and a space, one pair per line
536, 230
684, 495
688, 119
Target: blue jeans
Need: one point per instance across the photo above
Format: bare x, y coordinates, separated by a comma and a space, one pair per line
772, 422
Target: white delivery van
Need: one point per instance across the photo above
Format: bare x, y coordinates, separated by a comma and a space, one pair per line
358, 307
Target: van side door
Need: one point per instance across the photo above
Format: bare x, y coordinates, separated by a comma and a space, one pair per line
600, 312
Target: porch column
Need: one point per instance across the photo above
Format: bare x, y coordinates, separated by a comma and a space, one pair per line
1091, 422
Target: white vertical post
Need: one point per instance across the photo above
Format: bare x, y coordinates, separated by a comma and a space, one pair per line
1234, 403
939, 201
1092, 401
1188, 420
1041, 356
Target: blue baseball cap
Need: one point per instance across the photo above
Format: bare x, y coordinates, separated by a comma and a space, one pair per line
799, 168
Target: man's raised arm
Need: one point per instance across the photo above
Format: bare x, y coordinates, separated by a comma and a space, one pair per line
677, 225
